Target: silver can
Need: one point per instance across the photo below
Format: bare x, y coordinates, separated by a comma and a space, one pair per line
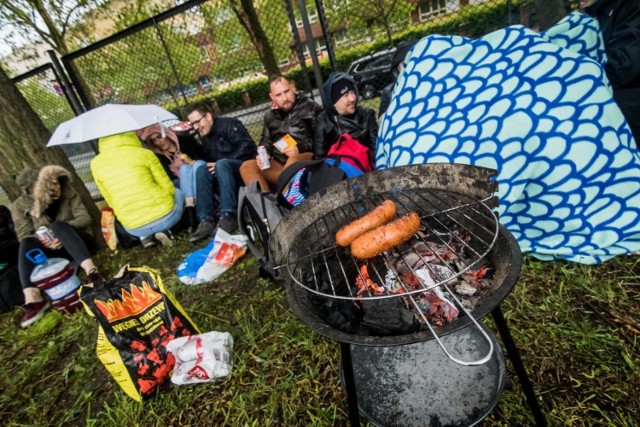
264, 156
46, 237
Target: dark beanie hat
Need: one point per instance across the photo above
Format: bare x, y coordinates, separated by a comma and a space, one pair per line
339, 88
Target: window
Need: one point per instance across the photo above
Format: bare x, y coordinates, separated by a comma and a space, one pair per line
431, 8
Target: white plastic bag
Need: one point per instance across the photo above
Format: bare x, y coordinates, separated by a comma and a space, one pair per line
201, 358
218, 256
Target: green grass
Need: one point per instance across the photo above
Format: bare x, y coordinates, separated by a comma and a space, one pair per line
576, 327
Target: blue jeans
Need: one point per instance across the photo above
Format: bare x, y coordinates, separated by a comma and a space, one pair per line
162, 223
229, 181
196, 181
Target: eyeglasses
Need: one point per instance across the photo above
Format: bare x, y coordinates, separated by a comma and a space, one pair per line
196, 124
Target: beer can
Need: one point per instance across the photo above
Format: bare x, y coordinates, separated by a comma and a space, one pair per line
264, 156
47, 238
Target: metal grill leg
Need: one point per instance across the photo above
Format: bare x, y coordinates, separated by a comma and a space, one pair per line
350, 384
514, 355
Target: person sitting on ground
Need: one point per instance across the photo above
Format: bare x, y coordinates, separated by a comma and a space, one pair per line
227, 144
397, 62
292, 114
343, 116
181, 156
619, 22
134, 184
49, 200
8, 240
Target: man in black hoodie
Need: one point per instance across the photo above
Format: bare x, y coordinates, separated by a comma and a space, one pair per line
619, 22
343, 115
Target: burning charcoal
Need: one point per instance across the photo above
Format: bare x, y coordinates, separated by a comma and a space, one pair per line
443, 273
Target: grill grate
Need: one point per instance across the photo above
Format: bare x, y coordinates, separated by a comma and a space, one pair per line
457, 232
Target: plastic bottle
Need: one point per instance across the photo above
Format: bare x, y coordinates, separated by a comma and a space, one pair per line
264, 156
108, 225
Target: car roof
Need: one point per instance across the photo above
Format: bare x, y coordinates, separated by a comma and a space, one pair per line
373, 55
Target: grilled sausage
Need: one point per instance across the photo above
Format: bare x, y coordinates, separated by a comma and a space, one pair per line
379, 215
386, 236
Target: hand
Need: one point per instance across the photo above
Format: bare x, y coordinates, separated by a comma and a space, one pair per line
259, 162
291, 151
212, 167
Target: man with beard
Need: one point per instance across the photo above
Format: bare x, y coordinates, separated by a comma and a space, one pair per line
620, 26
289, 119
227, 144
342, 116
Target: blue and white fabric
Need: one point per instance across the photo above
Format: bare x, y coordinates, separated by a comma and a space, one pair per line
538, 109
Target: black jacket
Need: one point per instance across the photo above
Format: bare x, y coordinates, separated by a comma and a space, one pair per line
329, 125
619, 22
297, 122
228, 139
385, 98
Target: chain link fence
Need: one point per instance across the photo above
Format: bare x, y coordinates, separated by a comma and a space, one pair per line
222, 51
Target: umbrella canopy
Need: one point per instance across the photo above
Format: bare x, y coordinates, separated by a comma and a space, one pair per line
109, 119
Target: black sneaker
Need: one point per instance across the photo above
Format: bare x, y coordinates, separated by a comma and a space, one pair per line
228, 223
95, 277
34, 312
204, 231
148, 242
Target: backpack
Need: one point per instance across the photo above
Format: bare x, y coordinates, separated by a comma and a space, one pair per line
351, 153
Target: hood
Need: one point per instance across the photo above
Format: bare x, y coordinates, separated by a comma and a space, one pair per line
41, 189
592, 10
326, 89
402, 49
113, 142
145, 133
26, 178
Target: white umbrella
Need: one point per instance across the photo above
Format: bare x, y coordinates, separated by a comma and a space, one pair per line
109, 119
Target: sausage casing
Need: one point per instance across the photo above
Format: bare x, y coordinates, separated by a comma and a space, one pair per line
385, 237
379, 215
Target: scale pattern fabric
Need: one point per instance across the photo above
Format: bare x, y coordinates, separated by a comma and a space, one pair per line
538, 109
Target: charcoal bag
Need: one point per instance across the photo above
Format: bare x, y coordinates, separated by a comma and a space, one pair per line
137, 317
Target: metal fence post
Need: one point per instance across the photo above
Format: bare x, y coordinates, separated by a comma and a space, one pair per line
67, 87
302, 6
171, 64
327, 36
298, 46
81, 96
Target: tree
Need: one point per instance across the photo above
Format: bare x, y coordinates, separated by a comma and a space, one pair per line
248, 17
22, 140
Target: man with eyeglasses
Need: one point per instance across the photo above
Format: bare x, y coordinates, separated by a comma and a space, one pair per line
227, 144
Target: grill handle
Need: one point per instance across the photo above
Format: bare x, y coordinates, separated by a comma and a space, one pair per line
480, 361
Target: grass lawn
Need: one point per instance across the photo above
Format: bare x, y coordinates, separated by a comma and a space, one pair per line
577, 328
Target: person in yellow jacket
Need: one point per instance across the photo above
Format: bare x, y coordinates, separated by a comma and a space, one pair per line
135, 185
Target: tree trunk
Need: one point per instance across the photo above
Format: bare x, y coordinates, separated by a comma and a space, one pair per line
548, 12
23, 137
248, 18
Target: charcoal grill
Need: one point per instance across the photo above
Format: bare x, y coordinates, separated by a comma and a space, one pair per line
453, 201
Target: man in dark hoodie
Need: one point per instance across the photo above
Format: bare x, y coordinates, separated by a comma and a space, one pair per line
620, 25
48, 199
343, 115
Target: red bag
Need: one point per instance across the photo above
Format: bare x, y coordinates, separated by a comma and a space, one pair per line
349, 150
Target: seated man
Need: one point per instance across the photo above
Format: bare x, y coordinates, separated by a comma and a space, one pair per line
227, 144
181, 155
343, 116
292, 114
620, 25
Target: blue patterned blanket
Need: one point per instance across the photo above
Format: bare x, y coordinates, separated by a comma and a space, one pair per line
538, 109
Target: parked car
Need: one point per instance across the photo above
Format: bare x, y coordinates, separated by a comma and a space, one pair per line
372, 72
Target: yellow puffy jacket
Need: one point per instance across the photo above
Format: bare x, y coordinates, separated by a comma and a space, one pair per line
132, 180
